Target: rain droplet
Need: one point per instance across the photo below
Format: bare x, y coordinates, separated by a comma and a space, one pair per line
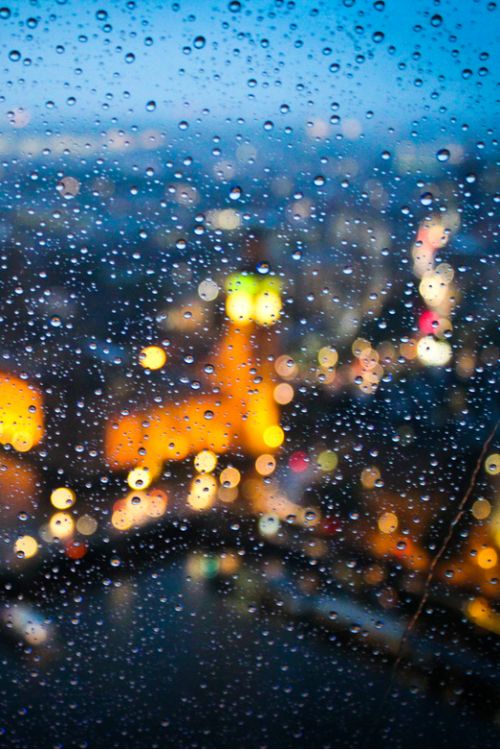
426, 199
443, 154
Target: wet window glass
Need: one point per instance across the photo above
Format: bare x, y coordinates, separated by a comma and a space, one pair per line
249, 459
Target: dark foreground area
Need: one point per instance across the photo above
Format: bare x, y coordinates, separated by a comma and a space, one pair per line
170, 658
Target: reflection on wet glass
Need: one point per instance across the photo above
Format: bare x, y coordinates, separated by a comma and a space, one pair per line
248, 400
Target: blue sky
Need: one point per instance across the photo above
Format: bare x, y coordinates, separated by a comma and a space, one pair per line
251, 63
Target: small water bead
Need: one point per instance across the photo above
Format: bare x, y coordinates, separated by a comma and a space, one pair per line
4, 13
443, 154
129, 57
235, 193
263, 267
151, 106
426, 199
319, 180
14, 55
199, 42
436, 20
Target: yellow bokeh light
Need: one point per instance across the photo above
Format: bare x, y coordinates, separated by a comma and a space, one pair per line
202, 492
205, 462
388, 523
267, 308
492, 464
273, 436
26, 546
369, 476
61, 525
487, 558
433, 353
62, 498
359, 346
327, 460
239, 307
22, 441
152, 357
265, 464
139, 478
481, 509
328, 357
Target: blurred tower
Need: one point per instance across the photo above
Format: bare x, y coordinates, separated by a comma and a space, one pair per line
237, 412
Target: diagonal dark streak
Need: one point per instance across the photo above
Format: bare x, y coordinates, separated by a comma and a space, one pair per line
430, 575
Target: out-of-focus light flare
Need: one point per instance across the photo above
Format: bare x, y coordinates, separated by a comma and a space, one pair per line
202, 492
433, 288
227, 494
283, 393
480, 612
61, 525
328, 357
26, 546
286, 367
138, 508
429, 322
63, 498
205, 462
359, 346
492, 464
21, 415
267, 308
370, 476
75, 550
139, 478
265, 464
387, 523
433, 353
239, 307
487, 558
298, 462
273, 436
481, 509
269, 524
408, 349
152, 357
230, 477
208, 290
227, 219
327, 461
86, 525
